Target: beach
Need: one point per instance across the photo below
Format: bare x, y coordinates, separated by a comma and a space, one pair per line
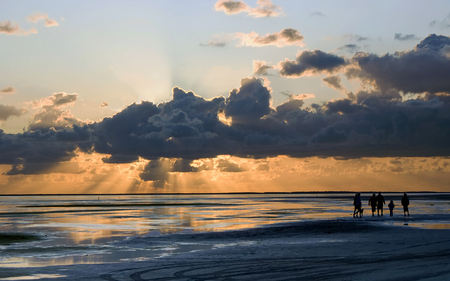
329, 247
322, 250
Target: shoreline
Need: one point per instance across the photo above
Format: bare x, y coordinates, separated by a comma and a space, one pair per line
229, 193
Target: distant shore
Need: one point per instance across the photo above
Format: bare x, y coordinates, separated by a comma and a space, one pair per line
224, 193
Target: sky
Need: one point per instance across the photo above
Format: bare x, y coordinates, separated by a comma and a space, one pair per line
224, 96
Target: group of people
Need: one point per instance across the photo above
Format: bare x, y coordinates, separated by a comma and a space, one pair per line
377, 201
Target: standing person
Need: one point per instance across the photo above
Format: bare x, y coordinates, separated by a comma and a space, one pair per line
373, 203
380, 202
405, 204
357, 203
391, 208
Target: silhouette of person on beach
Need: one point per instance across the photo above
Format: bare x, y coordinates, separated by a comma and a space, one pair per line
391, 208
357, 203
405, 204
373, 203
380, 202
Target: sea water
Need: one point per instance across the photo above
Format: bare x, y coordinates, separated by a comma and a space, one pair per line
81, 229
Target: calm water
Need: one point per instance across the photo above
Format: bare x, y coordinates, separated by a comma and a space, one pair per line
92, 229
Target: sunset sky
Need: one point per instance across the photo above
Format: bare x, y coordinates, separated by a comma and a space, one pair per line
224, 96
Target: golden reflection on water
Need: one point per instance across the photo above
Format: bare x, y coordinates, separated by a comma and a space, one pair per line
83, 222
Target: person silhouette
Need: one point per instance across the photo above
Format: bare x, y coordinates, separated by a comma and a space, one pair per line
380, 202
373, 203
357, 203
405, 204
391, 208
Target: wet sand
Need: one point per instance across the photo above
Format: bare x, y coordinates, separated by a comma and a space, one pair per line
341, 249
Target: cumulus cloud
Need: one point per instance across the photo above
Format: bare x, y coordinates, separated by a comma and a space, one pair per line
10, 28
333, 82
7, 90
286, 37
47, 21
104, 104
311, 62
264, 8
52, 115
406, 37
260, 68
426, 68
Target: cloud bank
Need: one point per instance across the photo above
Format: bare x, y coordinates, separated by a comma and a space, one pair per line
370, 123
423, 69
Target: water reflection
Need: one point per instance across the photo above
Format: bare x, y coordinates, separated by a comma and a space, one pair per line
83, 229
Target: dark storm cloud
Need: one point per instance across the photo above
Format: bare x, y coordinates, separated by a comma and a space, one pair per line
426, 68
315, 62
189, 127
406, 37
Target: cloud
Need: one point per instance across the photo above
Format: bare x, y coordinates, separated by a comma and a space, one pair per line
406, 37
172, 135
445, 23
286, 37
426, 68
51, 114
264, 8
189, 127
38, 17
260, 68
355, 37
333, 82
351, 48
14, 29
7, 111
311, 62
231, 7
214, 44
104, 104
7, 90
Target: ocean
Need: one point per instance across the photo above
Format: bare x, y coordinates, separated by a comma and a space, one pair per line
40, 231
